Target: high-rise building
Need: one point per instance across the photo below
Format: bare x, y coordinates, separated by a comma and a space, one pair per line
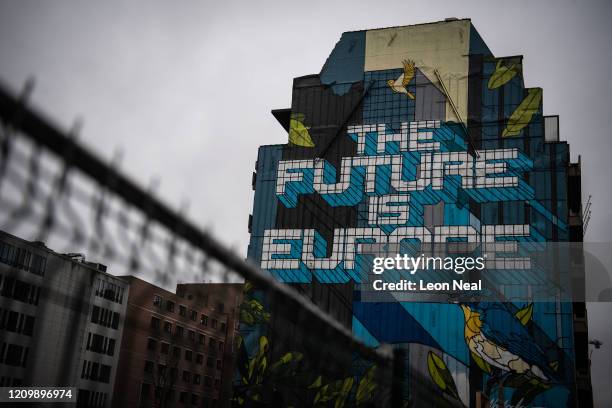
419, 134
177, 347
61, 320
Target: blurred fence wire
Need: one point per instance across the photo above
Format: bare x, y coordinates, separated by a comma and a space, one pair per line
54, 189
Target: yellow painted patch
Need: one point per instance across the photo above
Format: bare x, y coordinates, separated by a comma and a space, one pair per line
443, 46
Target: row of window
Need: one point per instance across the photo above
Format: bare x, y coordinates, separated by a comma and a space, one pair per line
16, 289
105, 317
91, 399
109, 290
96, 371
184, 398
188, 355
16, 322
22, 258
100, 344
13, 354
10, 381
158, 301
172, 374
179, 331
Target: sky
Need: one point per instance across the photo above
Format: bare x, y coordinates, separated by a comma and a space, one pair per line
185, 89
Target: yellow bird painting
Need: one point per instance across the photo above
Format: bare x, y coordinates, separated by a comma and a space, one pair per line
400, 85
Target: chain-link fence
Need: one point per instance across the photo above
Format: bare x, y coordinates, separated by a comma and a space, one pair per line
54, 189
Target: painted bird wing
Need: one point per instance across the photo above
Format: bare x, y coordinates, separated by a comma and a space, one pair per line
408, 72
504, 329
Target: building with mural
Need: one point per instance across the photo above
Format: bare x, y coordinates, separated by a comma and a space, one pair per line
419, 134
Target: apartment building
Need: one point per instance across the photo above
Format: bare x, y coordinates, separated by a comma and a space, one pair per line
173, 351
61, 320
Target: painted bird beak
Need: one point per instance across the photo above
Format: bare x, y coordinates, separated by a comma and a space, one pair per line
466, 311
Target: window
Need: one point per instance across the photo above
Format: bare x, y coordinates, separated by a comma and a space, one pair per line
188, 355
28, 327
186, 376
209, 362
194, 315
214, 323
161, 370
207, 381
201, 338
220, 346
11, 324
7, 253
196, 379
148, 367
170, 306
200, 358
212, 344
179, 331
104, 376
223, 327
182, 310
176, 352
155, 322
218, 364
220, 307
183, 397
204, 320
95, 314
194, 399
191, 335
217, 382
115, 322
14, 355
110, 350
168, 327
165, 347
157, 300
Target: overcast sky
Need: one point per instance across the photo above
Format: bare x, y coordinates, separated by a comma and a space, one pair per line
186, 88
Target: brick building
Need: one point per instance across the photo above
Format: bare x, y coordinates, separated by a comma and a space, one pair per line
177, 348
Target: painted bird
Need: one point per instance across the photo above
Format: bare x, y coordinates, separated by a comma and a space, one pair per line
497, 338
400, 84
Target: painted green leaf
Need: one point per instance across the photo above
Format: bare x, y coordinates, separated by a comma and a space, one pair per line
336, 391
298, 132
247, 287
323, 395
252, 312
347, 385
502, 74
484, 366
524, 315
259, 363
366, 387
316, 383
435, 364
523, 113
289, 357
440, 374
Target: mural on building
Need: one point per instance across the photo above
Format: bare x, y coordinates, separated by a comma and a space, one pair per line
410, 135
